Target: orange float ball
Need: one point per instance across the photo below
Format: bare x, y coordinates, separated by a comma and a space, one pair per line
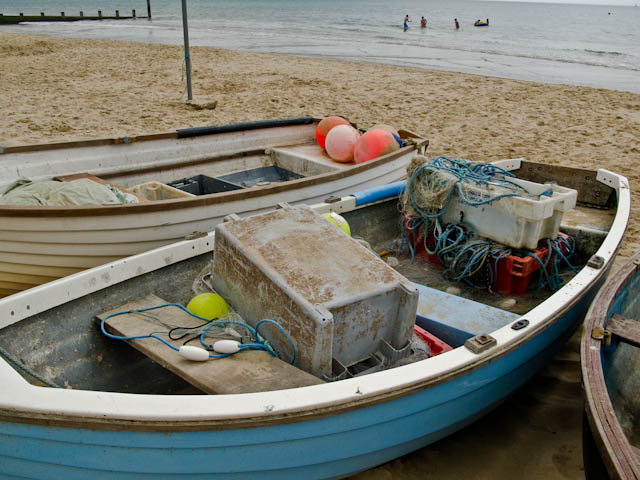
373, 144
340, 142
389, 129
325, 126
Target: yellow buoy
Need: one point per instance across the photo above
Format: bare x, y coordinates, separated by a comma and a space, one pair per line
339, 221
208, 305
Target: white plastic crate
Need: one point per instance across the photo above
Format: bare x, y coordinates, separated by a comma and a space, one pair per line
517, 222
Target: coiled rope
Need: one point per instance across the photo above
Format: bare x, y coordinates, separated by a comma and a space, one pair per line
259, 343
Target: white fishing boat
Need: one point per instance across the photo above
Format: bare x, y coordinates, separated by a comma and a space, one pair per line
351, 390
182, 182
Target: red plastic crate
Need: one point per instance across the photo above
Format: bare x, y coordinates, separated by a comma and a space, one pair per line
436, 346
515, 274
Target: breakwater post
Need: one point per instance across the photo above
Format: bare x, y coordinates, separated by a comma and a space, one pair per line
62, 17
149, 9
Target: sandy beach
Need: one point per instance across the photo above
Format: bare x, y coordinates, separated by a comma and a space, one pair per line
58, 89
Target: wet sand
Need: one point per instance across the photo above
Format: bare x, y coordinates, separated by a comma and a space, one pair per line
56, 89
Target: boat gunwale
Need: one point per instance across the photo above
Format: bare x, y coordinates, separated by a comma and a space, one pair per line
28, 417
249, 409
177, 134
614, 447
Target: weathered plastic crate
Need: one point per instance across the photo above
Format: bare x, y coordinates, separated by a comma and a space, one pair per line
341, 304
518, 222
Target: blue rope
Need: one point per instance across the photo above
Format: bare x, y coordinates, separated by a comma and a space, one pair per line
259, 344
550, 276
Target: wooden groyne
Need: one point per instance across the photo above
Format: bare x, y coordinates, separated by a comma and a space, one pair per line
5, 19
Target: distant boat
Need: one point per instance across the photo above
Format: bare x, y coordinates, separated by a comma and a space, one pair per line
480, 23
610, 357
185, 181
120, 414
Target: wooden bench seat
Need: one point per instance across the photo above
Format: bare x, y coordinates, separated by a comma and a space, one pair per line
248, 371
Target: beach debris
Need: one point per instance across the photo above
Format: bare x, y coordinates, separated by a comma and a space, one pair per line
203, 106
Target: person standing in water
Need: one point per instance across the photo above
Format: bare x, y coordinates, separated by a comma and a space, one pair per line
406, 21
457, 24
423, 22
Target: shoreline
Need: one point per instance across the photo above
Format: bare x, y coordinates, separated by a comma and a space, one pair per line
61, 89
537, 69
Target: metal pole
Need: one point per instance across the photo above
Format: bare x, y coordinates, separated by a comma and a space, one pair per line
187, 57
149, 9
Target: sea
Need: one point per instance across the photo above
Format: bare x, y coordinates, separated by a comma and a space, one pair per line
590, 45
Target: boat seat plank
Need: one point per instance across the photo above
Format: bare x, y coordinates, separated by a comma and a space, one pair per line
248, 371
625, 329
76, 176
461, 313
306, 160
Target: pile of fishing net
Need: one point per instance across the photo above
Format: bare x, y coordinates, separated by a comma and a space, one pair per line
464, 255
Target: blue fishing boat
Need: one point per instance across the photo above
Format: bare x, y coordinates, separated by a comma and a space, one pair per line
610, 363
352, 386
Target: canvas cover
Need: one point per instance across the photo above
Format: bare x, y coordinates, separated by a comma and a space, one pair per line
52, 193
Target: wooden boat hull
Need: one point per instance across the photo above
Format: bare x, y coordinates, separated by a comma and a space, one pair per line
610, 360
40, 244
322, 431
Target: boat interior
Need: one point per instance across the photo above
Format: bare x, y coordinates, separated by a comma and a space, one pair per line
623, 357
218, 174
169, 175
64, 347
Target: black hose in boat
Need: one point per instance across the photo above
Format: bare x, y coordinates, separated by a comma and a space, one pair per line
235, 127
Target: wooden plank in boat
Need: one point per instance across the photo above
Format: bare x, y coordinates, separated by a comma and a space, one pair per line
626, 329
76, 176
248, 371
590, 190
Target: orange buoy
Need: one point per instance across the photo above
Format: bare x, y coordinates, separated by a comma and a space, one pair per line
340, 142
325, 126
373, 144
389, 129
